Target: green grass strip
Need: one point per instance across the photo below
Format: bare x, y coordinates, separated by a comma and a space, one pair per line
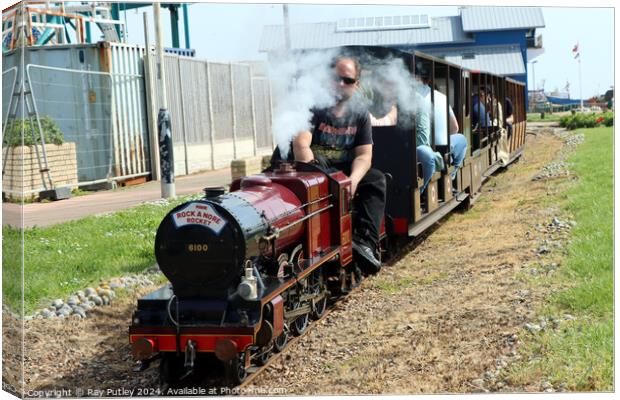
64, 258
580, 353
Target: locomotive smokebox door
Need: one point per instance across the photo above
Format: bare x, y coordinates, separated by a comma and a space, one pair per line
193, 246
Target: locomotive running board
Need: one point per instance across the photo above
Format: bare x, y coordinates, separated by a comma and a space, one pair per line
430, 219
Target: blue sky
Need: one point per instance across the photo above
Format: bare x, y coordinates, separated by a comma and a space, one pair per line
231, 32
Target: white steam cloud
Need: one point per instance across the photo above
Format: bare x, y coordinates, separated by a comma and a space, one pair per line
300, 82
391, 82
304, 81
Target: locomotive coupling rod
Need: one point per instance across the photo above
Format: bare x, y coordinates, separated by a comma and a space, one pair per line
298, 312
315, 297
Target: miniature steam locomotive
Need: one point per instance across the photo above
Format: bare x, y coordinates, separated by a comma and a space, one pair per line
251, 267
248, 268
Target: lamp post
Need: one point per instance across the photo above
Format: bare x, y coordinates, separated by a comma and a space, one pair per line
166, 158
534, 73
580, 93
528, 105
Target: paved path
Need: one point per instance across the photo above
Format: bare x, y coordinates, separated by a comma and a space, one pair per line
45, 214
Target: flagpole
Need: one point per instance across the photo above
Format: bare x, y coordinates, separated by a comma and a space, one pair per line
580, 93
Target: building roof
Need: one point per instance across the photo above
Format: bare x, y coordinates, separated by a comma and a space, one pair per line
478, 19
324, 35
501, 60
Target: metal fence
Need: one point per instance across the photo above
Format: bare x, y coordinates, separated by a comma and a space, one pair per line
130, 130
80, 103
263, 112
9, 83
95, 95
101, 117
105, 104
219, 111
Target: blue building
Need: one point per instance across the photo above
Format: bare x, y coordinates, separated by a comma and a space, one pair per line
500, 40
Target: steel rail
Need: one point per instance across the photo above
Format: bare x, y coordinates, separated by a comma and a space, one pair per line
276, 356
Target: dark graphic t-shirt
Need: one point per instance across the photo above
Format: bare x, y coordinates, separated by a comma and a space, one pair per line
336, 138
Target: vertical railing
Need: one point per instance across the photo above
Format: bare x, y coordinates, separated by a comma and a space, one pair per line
130, 129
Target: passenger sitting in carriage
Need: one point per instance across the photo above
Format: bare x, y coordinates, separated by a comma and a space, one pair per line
480, 116
430, 159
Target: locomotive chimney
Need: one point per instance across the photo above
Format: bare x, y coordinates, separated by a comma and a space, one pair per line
214, 191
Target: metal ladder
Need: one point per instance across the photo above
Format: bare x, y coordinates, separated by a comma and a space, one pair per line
109, 30
31, 111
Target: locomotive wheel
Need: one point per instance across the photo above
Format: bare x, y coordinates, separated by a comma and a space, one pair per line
280, 342
317, 286
319, 308
263, 356
296, 256
235, 370
300, 324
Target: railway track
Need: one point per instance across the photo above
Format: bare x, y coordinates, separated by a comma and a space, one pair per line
255, 371
333, 304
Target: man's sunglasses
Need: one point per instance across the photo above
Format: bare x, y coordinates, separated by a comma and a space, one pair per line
345, 79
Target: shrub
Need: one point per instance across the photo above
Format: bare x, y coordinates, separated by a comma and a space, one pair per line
51, 133
583, 120
608, 118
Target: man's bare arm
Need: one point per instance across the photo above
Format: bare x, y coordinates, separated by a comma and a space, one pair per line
301, 147
454, 124
361, 164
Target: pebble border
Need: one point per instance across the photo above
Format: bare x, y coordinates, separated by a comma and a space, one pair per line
81, 303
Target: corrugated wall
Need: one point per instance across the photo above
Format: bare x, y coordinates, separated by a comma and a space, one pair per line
219, 111
263, 107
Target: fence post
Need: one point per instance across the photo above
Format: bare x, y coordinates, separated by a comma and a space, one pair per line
232, 102
253, 110
211, 121
150, 101
270, 121
183, 122
106, 66
166, 148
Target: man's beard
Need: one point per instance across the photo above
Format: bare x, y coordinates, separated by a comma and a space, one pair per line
341, 97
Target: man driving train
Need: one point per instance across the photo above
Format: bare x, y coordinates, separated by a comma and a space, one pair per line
341, 135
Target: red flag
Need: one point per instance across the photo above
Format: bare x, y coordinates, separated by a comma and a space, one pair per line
576, 50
